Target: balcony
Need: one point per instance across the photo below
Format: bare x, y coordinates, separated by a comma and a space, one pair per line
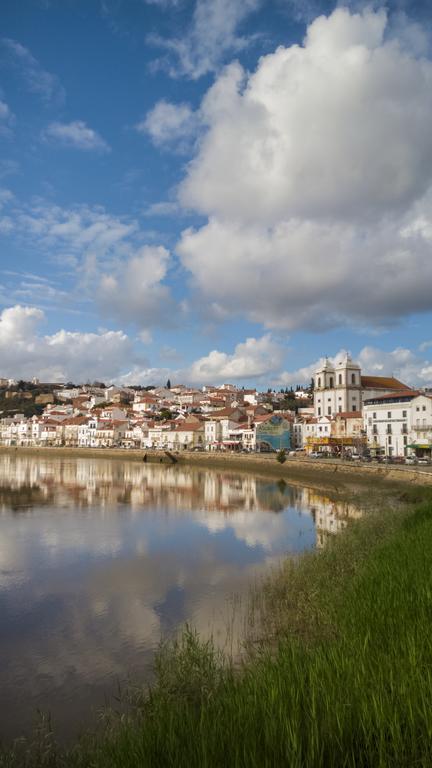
422, 428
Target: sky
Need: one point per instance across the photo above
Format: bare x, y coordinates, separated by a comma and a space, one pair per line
215, 190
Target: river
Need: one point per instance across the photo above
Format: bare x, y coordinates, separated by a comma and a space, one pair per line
100, 559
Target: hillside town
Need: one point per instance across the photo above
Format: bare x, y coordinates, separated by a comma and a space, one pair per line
343, 414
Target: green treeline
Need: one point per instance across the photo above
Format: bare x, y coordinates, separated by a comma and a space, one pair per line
338, 670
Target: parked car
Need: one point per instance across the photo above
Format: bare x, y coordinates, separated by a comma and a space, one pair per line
355, 456
423, 460
411, 460
386, 460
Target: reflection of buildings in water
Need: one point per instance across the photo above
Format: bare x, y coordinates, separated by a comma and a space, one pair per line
79, 483
330, 517
83, 482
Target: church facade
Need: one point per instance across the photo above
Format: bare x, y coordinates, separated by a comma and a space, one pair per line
341, 388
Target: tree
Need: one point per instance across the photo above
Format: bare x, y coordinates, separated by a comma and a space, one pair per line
281, 456
168, 384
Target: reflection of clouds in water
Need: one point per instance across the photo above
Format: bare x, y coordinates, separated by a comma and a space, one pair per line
107, 556
259, 529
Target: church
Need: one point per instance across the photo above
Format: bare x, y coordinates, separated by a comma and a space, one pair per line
341, 388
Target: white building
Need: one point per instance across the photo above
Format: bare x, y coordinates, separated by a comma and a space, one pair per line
399, 424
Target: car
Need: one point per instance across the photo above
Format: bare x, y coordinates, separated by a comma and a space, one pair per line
423, 460
355, 456
411, 460
398, 460
386, 460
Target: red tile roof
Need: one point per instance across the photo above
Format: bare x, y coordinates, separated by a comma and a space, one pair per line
401, 393
382, 382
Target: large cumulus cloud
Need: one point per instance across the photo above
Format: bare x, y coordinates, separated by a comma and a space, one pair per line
314, 173
62, 356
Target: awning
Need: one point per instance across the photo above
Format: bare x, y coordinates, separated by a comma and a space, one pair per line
425, 446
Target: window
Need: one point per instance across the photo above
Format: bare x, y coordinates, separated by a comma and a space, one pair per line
353, 380
374, 429
404, 414
374, 415
389, 439
405, 440
389, 414
354, 407
329, 410
389, 429
340, 409
417, 408
319, 411
340, 378
319, 382
423, 407
331, 382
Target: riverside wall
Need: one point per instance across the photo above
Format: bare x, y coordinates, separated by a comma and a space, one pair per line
311, 470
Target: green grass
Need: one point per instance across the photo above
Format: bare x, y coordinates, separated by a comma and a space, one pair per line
338, 669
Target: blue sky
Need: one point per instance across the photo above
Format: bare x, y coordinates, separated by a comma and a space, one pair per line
214, 190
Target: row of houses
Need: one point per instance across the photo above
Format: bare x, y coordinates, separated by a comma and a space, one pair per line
350, 413
250, 428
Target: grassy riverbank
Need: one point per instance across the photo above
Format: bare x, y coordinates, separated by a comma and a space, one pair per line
338, 668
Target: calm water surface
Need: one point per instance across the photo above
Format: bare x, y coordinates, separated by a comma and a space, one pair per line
100, 559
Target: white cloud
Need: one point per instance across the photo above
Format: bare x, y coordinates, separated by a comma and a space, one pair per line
105, 259
164, 3
212, 36
76, 134
7, 119
170, 125
37, 79
133, 291
425, 345
315, 173
83, 237
297, 137
253, 358
62, 356
403, 363
164, 208
5, 197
